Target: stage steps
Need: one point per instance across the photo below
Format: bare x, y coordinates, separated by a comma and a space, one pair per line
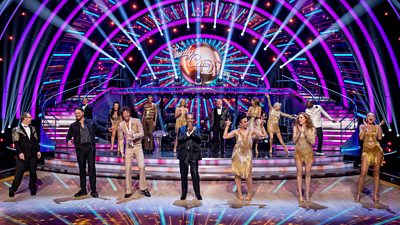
277, 167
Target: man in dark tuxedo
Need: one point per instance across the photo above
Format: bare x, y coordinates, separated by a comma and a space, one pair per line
26, 143
189, 154
87, 109
83, 133
218, 117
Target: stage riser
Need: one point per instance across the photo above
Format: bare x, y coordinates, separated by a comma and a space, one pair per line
207, 161
203, 168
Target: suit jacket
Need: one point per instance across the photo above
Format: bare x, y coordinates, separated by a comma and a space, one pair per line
74, 132
189, 146
24, 144
136, 136
224, 116
88, 112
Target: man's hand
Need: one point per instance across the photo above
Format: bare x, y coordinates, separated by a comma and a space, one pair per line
111, 129
21, 156
228, 123
70, 143
39, 155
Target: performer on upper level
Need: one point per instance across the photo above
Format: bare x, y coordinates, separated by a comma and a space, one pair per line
149, 121
180, 116
254, 113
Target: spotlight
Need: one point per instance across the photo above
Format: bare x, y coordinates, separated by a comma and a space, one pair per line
155, 81
241, 80
202, 26
188, 27
150, 41
383, 135
260, 82
242, 34
11, 37
389, 143
198, 80
177, 80
1, 59
9, 126
215, 27
134, 6
131, 59
281, 67
390, 129
220, 80
398, 135
175, 30
2, 131
138, 82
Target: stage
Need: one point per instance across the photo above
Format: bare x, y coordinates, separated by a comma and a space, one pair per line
274, 202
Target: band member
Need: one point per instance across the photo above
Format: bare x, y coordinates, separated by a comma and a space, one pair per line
149, 121
180, 116
115, 118
254, 113
132, 130
273, 123
314, 111
242, 157
304, 138
372, 153
26, 143
218, 117
87, 109
83, 134
189, 154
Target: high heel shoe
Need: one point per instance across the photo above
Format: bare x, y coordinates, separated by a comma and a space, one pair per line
248, 198
241, 198
376, 199
358, 197
300, 199
308, 200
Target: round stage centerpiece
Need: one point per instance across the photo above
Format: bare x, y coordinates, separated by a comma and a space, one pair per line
202, 59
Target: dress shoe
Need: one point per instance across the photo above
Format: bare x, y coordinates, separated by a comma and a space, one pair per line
33, 192
198, 196
94, 194
145, 192
183, 197
11, 193
127, 195
80, 193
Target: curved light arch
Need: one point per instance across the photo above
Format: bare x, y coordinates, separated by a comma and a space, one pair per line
264, 13
202, 35
376, 56
32, 52
177, 22
48, 52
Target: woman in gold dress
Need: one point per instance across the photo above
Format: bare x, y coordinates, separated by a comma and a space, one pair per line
304, 138
372, 153
254, 113
180, 116
242, 155
273, 124
115, 118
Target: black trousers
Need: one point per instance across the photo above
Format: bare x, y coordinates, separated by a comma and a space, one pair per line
84, 153
31, 164
194, 172
218, 140
320, 137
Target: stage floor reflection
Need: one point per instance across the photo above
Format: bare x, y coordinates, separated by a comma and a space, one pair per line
274, 202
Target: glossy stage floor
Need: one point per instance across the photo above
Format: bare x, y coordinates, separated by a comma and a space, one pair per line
274, 202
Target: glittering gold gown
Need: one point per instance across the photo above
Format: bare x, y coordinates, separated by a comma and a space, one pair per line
303, 149
181, 120
242, 155
255, 121
371, 147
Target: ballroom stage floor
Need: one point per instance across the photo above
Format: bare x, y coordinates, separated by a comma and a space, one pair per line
274, 202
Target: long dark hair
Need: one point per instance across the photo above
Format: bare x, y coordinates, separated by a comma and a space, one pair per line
113, 110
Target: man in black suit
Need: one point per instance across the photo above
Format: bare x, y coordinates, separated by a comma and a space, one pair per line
218, 117
83, 133
87, 109
26, 143
189, 154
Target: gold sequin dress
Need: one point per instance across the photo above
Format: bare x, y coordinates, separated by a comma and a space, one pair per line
255, 121
371, 147
242, 156
181, 120
303, 147
273, 119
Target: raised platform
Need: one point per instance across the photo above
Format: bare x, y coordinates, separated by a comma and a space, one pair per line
164, 165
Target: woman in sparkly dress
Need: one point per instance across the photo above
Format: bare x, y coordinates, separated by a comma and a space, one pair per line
304, 138
273, 124
242, 155
180, 116
115, 118
254, 113
372, 153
